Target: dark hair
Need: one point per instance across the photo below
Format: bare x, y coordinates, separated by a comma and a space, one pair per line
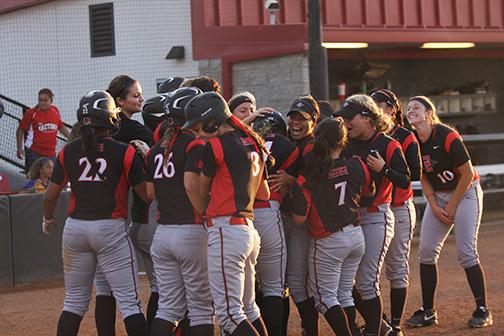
204, 83
119, 86
238, 125
390, 98
76, 131
47, 92
89, 139
330, 134
169, 137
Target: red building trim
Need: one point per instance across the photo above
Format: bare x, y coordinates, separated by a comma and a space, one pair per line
7, 6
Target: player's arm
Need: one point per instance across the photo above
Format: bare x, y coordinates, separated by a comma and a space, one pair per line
412, 156
301, 202
429, 193
263, 193
151, 190
369, 187
208, 171
50, 199
57, 182
192, 188
133, 164
64, 131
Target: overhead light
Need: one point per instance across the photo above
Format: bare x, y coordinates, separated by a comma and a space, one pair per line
344, 45
447, 45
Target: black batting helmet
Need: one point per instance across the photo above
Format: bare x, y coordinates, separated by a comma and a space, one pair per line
170, 84
272, 122
154, 110
178, 101
98, 109
208, 107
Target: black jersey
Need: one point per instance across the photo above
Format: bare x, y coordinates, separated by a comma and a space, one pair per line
286, 156
237, 168
133, 130
395, 167
99, 181
334, 202
442, 154
411, 151
174, 205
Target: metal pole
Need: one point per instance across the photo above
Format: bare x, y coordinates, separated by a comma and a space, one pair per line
317, 54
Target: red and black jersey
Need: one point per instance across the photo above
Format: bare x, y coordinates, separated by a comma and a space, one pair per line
186, 153
304, 146
334, 202
286, 156
442, 154
237, 168
395, 170
411, 151
99, 181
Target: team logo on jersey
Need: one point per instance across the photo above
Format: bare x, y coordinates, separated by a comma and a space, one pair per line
47, 128
339, 171
428, 164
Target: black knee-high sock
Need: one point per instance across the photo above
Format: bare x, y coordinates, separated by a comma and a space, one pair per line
350, 313
285, 315
428, 279
258, 296
337, 319
371, 311
136, 325
105, 315
162, 327
245, 328
397, 302
202, 330
357, 299
476, 279
309, 317
152, 307
272, 313
68, 324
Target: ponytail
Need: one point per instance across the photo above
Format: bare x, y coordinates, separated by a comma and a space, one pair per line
89, 139
238, 125
169, 137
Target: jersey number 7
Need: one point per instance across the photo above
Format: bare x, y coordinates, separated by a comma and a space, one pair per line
342, 187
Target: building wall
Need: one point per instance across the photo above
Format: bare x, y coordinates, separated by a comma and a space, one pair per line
275, 81
49, 46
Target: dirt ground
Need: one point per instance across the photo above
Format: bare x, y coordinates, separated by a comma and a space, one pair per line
33, 309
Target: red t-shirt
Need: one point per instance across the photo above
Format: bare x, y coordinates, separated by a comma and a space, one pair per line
42, 128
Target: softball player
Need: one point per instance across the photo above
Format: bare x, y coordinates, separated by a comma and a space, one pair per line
303, 117
272, 260
244, 107
170, 84
232, 177
396, 261
455, 199
153, 113
179, 247
328, 193
383, 155
100, 171
127, 94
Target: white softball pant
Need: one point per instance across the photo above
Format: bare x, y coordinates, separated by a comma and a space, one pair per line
179, 253
87, 244
378, 228
272, 259
232, 255
333, 264
467, 221
298, 246
396, 262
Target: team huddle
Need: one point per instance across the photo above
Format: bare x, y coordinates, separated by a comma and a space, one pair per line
236, 212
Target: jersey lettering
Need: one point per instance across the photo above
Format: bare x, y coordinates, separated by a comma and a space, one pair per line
342, 187
167, 170
86, 176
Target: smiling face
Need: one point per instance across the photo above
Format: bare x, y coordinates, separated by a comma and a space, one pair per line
46, 169
244, 110
417, 113
299, 126
134, 99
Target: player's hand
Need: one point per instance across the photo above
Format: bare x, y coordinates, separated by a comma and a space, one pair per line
141, 147
279, 180
20, 153
450, 210
260, 112
48, 225
375, 162
441, 214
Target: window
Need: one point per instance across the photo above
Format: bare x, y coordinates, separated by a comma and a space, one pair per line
101, 29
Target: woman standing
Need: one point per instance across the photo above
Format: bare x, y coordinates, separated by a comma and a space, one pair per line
366, 125
397, 259
41, 123
100, 171
232, 178
455, 200
179, 247
338, 244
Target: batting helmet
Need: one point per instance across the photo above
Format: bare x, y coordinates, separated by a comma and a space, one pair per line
170, 84
272, 122
154, 110
98, 109
208, 107
178, 101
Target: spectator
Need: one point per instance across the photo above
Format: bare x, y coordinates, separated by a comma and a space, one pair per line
39, 127
39, 174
